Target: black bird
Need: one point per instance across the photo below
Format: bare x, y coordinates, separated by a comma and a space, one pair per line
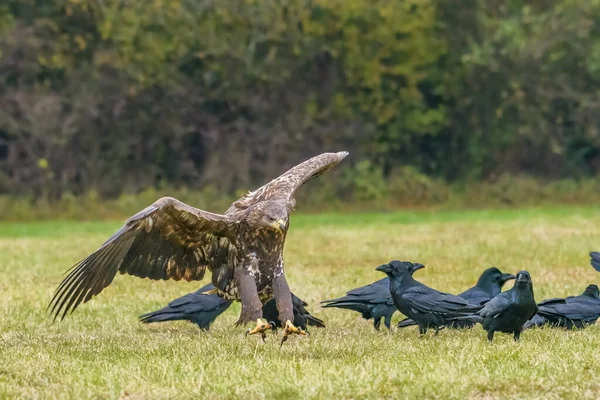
508, 311
574, 311
426, 306
487, 287
202, 309
372, 301
595, 261
302, 317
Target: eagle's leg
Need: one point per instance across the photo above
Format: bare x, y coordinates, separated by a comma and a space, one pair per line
283, 299
251, 304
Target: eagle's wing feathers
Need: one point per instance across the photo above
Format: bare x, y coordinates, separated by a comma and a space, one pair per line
284, 186
167, 240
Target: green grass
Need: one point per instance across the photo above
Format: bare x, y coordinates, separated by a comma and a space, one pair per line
101, 351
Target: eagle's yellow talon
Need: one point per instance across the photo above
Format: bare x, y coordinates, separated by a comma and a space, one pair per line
261, 327
288, 329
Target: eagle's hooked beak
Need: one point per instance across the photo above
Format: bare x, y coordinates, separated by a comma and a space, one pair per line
279, 225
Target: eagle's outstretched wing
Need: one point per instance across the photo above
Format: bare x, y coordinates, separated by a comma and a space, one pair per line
167, 240
284, 186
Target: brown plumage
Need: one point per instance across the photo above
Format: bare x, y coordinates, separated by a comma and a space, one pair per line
243, 248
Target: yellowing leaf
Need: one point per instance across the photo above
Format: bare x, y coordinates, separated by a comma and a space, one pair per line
43, 163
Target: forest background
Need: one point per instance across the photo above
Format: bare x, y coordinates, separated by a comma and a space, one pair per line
106, 105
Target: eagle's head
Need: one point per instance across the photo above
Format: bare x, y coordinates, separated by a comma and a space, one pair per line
270, 215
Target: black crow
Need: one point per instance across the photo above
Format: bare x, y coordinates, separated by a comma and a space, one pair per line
508, 311
487, 287
202, 309
302, 317
595, 255
572, 312
426, 306
372, 301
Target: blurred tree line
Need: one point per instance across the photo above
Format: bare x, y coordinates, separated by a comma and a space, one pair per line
118, 96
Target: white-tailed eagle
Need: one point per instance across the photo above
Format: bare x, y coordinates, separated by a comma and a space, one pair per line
243, 248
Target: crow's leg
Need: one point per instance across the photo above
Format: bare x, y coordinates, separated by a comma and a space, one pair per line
283, 298
388, 321
377, 322
251, 304
422, 329
490, 335
517, 336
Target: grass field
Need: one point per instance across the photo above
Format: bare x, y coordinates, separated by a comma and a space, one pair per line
101, 351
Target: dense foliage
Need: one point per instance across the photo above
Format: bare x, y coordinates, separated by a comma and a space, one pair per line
118, 96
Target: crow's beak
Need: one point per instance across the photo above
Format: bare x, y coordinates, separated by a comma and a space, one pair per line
507, 277
417, 267
384, 268
522, 278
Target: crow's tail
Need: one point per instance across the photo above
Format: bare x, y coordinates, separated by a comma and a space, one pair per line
475, 318
200, 309
406, 323
536, 320
164, 314
595, 255
349, 304
314, 321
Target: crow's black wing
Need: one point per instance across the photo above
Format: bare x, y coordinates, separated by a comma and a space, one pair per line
556, 300
197, 307
191, 303
301, 315
423, 299
364, 297
475, 295
583, 299
300, 311
571, 311
377, 292
496, 306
